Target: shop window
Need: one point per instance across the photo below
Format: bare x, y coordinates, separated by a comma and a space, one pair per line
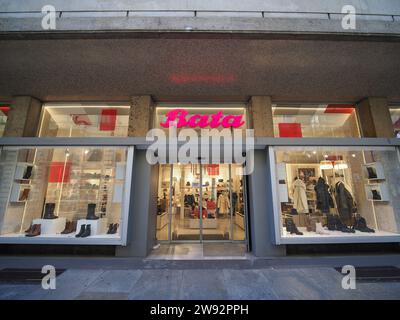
68, 194
84, 121
4, 109
337, 192
328, 120
200, 116
395, 115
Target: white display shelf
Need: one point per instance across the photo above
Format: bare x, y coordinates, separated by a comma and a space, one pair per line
378, 168
50, 226
98, 227
20, 170
381, 188
17, 190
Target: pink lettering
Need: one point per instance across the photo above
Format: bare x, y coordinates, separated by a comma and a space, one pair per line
178, 116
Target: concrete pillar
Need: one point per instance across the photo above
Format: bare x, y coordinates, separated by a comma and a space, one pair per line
141, 116
375, 120
261, 209
23, 118
260, 109
143, 209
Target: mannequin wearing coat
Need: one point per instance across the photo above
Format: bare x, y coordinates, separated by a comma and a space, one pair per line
223, 203
299, 196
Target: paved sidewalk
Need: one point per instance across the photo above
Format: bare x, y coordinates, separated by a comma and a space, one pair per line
265, 283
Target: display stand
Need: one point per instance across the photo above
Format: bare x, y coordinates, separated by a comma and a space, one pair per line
98, 227
50, 226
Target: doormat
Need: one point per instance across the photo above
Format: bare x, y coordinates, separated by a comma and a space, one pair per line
376, 274
24, 276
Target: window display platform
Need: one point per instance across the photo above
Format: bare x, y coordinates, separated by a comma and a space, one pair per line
338, 237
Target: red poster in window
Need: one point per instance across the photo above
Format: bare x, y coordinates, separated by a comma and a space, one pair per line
290, 130
340, 108
213, 169
59, 172
108, 119
5, 109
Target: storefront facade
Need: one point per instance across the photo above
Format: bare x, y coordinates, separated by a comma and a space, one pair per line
317, 180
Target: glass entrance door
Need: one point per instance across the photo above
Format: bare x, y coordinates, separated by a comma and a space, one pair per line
201, 203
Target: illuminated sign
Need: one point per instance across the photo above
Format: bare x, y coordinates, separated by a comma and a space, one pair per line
180, 118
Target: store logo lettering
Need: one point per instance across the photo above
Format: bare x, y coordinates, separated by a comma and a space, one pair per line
178, 116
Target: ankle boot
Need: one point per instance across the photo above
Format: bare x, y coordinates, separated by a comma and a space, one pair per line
360, 224
24, 195
331, 222
87, 231
91, 212
115, 228
110, 228
81, 231
70, 227
371, 173
28, 173
376, 195
340, 226
36, 230
49, 211
291, 227
29, 230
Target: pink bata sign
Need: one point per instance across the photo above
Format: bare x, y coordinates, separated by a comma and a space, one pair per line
179, 116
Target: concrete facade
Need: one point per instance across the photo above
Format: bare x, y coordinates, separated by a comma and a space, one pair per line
260, 110
24, 117
140, 116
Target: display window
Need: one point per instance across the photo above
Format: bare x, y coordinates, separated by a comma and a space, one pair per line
77, 120
395, 115
201, 202
325, 120
64, 194
200, 116
4, 109
336, 193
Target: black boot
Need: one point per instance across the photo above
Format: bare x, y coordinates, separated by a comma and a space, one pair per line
28, 173
110, 228
376, 195
371, 173
331, 222
87, 232
340, 226
115, 228
81, 231
291, 227
49, 211
91, 212
360, 224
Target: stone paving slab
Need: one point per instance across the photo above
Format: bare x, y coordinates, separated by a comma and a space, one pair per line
203, 284
158, 285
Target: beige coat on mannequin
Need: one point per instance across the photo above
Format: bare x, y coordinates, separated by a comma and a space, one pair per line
223, 204
300, 196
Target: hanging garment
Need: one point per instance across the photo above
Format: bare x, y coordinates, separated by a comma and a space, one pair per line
324, 198
223, 204
234, 200
300, 196
189, 200
344, 202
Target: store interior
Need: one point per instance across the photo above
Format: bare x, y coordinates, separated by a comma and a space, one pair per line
221, 193
337, 192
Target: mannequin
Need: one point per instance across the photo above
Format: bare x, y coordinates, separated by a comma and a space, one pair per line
299, 196
223, 203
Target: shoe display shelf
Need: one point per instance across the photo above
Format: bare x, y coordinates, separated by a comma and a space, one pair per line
373, 171
23, 171
50, 226
20, 192
380, 189
98, 227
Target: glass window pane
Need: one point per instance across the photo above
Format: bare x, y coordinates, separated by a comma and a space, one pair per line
58, 192
330, 120
84, 121
395, 115
4, 109
338, 191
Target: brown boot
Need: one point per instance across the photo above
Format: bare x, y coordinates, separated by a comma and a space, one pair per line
67, 228
29, 230
36, 229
